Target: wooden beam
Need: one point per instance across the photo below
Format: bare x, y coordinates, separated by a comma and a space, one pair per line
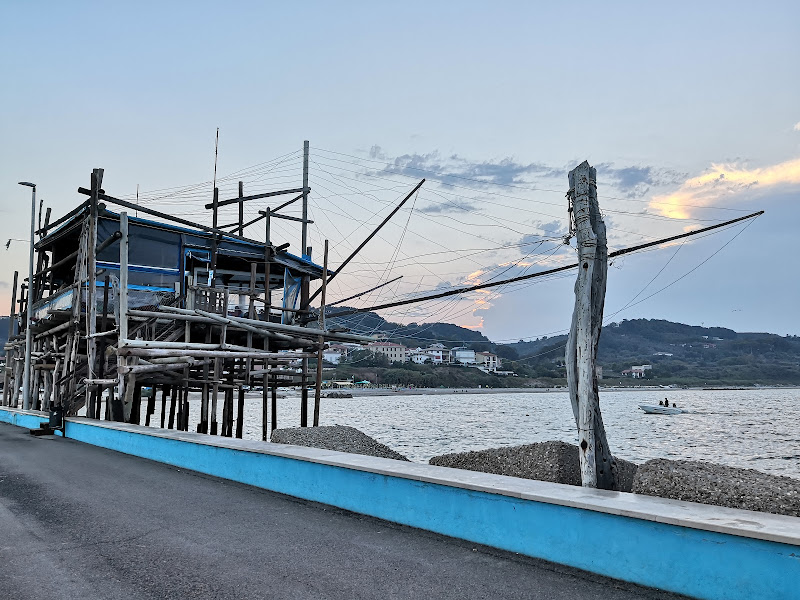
222, 203
287, 217
166, 217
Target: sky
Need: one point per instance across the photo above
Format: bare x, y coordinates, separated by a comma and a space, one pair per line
690, 111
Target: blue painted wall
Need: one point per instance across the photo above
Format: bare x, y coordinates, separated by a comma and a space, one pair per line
700, 563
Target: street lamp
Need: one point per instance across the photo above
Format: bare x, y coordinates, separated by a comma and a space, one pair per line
26, 383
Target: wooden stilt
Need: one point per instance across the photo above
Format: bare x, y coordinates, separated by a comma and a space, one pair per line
172, 402
164, 395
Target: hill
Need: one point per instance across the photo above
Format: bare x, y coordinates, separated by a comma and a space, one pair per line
677, 353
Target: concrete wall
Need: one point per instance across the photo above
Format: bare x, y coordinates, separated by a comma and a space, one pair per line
702, 551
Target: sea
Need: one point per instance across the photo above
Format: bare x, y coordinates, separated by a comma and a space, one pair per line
754, 428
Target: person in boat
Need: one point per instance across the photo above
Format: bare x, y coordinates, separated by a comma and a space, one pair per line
674, 405
660, 403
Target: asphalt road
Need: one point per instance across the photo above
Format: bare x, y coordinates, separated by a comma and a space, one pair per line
78, 521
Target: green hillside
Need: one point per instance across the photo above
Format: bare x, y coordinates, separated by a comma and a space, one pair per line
679, 354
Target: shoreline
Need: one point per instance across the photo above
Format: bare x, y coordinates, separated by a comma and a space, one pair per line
369, 392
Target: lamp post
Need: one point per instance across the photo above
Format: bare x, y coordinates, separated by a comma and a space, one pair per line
26, 383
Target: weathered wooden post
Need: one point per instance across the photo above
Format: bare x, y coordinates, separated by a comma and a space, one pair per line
91, 296
598, 467
321, 339
118, 408
11, 318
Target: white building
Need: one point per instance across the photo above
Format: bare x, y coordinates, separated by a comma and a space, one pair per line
437, 353
487, 360
465, 356
332, 356
394, 352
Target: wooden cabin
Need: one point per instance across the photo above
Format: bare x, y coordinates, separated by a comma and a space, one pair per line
123, 303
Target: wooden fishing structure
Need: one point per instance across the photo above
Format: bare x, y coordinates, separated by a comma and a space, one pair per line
121, 304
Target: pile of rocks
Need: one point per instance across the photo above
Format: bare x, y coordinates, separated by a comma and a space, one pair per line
709, 483
556, 462
335, 437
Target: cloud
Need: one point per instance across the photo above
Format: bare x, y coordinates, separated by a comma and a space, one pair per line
455, 169
553, 229
636, 181
797, 126
452, 206
721, 183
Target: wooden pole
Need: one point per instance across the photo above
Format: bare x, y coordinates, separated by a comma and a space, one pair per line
91, 296
101, 368
11, 318
214, 240
274, 402
202, 427
136, 406
172, 400
118, 405
164, 394
267, 309
215, 394
321, 340
304, 235
240, 410
598, 468
304, 369
13, 313
241, 208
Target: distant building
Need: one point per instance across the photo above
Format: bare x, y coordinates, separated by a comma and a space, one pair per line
333, 357
394, 352
418, 356
437, 353
637, 371
464, 356
487, 360
662, 353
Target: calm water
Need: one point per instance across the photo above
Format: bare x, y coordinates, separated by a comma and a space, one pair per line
754, 429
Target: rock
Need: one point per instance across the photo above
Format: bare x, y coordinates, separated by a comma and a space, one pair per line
708, 483
335, 437
555, 461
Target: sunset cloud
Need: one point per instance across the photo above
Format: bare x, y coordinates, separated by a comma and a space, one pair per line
721, 183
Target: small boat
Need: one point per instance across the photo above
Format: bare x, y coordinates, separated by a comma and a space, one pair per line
661, 410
